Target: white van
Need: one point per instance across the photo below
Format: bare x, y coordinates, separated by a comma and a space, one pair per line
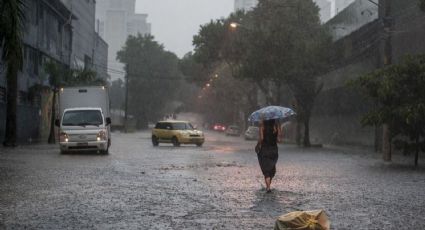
84, 119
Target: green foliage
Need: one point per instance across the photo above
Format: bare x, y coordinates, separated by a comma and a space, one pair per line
399, 92
194, 71
11, 25
280, 41
117, 94
153, 77
422, 4
60, 75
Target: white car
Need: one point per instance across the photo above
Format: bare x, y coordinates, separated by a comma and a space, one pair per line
233, 130
252, 133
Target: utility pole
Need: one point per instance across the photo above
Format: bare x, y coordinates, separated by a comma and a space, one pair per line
387, 21
126, 100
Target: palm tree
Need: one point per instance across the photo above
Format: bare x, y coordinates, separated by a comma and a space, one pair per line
11, 25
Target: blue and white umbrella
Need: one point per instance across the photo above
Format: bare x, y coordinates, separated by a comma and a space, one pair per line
271, 113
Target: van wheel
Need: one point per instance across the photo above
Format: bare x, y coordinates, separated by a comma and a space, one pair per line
199, 144
63, 152
175, 141
155, 141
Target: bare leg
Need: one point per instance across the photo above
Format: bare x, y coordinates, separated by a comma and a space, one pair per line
268, 182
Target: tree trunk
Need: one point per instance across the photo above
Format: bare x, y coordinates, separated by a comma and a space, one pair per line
12, 104
298, 132
386, 142
52, 137
307, 129
417, 151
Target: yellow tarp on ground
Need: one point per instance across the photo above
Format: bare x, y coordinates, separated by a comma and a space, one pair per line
303, 220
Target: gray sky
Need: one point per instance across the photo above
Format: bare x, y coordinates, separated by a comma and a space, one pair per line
174, 22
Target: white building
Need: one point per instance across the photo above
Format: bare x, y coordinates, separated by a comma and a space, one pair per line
325, 9
88, 49
340, 5
116, 20
326, 6
245, 5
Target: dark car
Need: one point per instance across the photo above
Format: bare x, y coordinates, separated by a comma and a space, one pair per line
219, 127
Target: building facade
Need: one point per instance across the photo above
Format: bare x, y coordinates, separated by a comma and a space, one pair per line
88, 48
47, 37
325, 9
359, 41
60, 31
116, 20
245, 5
325, 6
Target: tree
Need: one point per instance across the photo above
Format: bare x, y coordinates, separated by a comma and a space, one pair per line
11, 25
398, 90
280, 43
117, 94
153, 77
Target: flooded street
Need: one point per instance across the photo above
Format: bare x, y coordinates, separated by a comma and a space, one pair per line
218, 186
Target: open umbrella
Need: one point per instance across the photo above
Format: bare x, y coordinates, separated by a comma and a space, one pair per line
271, 113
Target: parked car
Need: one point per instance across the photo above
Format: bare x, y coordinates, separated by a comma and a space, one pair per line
252, 133
233, 130
176, 132
219, 127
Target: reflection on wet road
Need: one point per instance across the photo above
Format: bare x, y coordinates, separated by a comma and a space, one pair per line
218, 186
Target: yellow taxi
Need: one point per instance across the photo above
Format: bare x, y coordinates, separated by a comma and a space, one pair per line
176, 132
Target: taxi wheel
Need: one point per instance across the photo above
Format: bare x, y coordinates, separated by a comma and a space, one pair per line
155, 141
175, 141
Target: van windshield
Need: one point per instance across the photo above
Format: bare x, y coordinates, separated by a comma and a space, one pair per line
82, 118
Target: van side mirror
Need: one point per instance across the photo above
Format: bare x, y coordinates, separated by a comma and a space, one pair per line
57, 123
108, 121
195, 127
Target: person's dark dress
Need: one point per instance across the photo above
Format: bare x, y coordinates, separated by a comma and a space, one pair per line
268, 155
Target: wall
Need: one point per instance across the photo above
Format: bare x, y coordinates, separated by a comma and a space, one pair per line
101, 57
409, 29
46, 38
338, 110
84, 38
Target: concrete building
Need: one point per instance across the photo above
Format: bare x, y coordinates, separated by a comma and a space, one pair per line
352, 18
359, 44
88, 49
245, 5
325, 6
47, 38
340, 5
325, 9
117, 20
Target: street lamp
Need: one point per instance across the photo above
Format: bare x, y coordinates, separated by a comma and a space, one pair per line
234, 25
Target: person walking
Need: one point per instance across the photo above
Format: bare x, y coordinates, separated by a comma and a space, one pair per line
270, 134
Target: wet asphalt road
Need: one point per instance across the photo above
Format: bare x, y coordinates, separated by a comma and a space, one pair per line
218, 186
